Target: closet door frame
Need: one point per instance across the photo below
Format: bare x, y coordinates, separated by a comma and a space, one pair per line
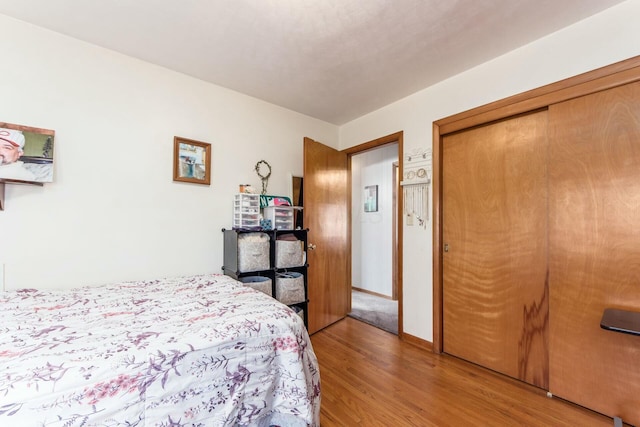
617, 74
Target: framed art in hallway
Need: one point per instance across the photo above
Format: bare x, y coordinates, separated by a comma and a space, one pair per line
371, 198
191, 161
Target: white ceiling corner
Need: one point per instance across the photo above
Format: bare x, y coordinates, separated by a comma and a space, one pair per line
334, 60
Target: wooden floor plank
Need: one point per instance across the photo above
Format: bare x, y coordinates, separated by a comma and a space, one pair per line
372, 378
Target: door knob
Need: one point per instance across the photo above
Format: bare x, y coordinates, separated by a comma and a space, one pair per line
311, 246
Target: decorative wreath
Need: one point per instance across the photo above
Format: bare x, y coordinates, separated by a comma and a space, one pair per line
259, 166
263, 177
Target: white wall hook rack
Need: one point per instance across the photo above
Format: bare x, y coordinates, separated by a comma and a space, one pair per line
415, 183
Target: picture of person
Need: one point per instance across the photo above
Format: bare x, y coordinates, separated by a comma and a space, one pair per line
26, 153
11, 148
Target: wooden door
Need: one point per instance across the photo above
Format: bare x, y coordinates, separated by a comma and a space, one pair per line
326, 216
594, 249
495, 292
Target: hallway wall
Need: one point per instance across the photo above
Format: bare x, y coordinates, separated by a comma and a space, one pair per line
372, 232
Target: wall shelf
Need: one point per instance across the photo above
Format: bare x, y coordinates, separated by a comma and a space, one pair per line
11, 181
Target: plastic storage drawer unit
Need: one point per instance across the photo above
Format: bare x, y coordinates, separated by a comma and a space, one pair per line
281, 216
246, 211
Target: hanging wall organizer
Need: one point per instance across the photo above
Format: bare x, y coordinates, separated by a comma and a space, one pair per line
415, 185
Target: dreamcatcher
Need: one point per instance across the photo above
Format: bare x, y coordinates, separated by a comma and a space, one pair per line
263, 169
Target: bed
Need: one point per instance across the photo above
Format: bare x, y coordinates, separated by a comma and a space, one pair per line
191, 351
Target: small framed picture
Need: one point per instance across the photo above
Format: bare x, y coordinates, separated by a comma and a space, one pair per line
371, 198
26, 154
191, 161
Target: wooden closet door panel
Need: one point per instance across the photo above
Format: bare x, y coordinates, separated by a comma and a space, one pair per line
495, 226
594, 249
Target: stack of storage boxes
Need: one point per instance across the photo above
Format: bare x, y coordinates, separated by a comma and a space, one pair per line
281, 216
246, 211
271, 261
289, 254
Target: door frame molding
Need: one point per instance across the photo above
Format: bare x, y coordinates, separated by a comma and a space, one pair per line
603, 78
395, 176
396, 137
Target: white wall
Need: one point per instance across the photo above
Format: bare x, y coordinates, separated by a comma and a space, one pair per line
372, 232
608, 37
113, 211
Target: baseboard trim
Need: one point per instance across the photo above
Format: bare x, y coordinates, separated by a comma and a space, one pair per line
418, 342
366, 291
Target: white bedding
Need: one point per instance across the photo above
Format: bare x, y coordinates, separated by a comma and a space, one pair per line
196, 351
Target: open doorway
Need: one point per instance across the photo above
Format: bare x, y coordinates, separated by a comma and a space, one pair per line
374, 236
327, 215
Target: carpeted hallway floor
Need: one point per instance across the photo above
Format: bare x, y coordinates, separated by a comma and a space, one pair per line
377, 311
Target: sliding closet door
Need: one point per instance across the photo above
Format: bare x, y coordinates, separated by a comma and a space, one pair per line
495, 256
594, 249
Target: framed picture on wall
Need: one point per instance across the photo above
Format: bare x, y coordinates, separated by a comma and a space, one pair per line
191, 161
26, 154
371, 198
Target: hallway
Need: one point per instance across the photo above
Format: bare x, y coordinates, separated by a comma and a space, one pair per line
374, 310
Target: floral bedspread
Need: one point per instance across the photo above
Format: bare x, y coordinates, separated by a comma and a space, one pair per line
194, 351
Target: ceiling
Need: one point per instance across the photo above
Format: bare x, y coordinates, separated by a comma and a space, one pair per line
335, 60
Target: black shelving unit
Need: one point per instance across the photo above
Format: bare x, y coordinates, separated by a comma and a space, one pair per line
232, 256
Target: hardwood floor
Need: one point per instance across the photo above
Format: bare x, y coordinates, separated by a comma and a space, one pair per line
372, 378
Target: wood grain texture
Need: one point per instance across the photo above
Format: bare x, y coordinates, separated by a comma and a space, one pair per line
437, 242
607, 77
595, 248
326, 215
371, 378
495, 224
